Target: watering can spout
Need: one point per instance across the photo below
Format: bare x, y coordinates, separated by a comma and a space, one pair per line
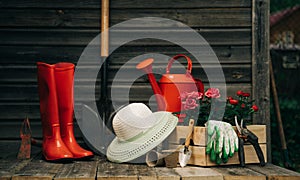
146, 66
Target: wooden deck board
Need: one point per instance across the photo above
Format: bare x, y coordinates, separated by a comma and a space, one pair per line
100, 168
274, 172
239, 173
79, 170
198, 173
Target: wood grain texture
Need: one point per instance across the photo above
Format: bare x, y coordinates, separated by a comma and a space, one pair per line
164, 173
37, 168
199, 136
81, 37
200, 158
78, 170
126, 4
232, 73
90, 18
108, 170
260, 66
198, 173
275, 172
239, 173
29, 55
9, 166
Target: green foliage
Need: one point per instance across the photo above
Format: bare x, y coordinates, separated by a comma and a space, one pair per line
277, 5
290, 113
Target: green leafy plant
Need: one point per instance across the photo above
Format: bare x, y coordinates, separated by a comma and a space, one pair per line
241, 106
198, 106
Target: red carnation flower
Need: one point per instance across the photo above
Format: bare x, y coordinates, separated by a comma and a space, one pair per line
213, 93
233, 101
190, 103
239, 93
246, 94
229, 98
255, 108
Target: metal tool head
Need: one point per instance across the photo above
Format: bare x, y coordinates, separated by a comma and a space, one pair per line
239, 127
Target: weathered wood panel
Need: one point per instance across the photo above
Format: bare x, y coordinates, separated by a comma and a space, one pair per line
28, 93
92, 4
90, 18
27, 74
274, 172
78, 170
260, 65
29, 55
99, 168
195, 173
107, 170
38, 169
75, 37
239, 173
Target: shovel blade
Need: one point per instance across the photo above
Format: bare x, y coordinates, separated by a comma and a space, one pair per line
184, 157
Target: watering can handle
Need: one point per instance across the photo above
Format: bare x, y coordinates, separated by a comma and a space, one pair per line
189, 68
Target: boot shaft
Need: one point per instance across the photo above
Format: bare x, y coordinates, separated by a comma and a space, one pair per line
64, 79
48, 97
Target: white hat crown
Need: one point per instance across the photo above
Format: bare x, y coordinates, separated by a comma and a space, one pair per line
133, 120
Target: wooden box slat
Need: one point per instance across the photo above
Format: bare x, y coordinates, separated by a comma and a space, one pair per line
199, 157
199, 135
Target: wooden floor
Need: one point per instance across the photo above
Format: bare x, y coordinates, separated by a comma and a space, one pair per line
99, 168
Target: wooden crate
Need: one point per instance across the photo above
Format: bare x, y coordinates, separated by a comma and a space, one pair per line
200, 158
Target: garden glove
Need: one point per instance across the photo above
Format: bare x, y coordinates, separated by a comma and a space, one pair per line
222, 141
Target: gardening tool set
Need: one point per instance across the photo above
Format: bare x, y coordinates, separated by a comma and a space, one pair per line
138, 130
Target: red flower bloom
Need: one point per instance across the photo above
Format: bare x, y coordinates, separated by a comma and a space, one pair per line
229, 98
193, 94
233, 101
246, 94
243, 105
213, 93
239, 93
255, 108
190, 103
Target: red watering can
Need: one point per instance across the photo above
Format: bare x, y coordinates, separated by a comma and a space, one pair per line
170, 86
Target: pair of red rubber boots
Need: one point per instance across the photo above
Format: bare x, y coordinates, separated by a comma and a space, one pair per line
55, 86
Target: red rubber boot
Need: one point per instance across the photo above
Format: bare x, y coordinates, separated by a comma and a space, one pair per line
53, 146
64, 78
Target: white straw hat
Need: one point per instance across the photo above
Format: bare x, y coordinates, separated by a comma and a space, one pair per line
138, 131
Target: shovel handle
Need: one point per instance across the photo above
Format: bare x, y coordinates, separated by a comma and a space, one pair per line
190, 132
104, 28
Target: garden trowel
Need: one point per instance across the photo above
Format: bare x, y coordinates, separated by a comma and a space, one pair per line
185, 153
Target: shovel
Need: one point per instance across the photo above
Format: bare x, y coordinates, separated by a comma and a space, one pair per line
185, 153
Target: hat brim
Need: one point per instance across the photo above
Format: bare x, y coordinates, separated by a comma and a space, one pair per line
123, 151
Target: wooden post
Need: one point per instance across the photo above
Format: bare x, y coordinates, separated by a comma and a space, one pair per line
260, 66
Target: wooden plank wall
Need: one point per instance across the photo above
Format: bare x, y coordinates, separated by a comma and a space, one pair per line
53, 31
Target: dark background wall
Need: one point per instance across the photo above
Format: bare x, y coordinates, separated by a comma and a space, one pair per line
54, 31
